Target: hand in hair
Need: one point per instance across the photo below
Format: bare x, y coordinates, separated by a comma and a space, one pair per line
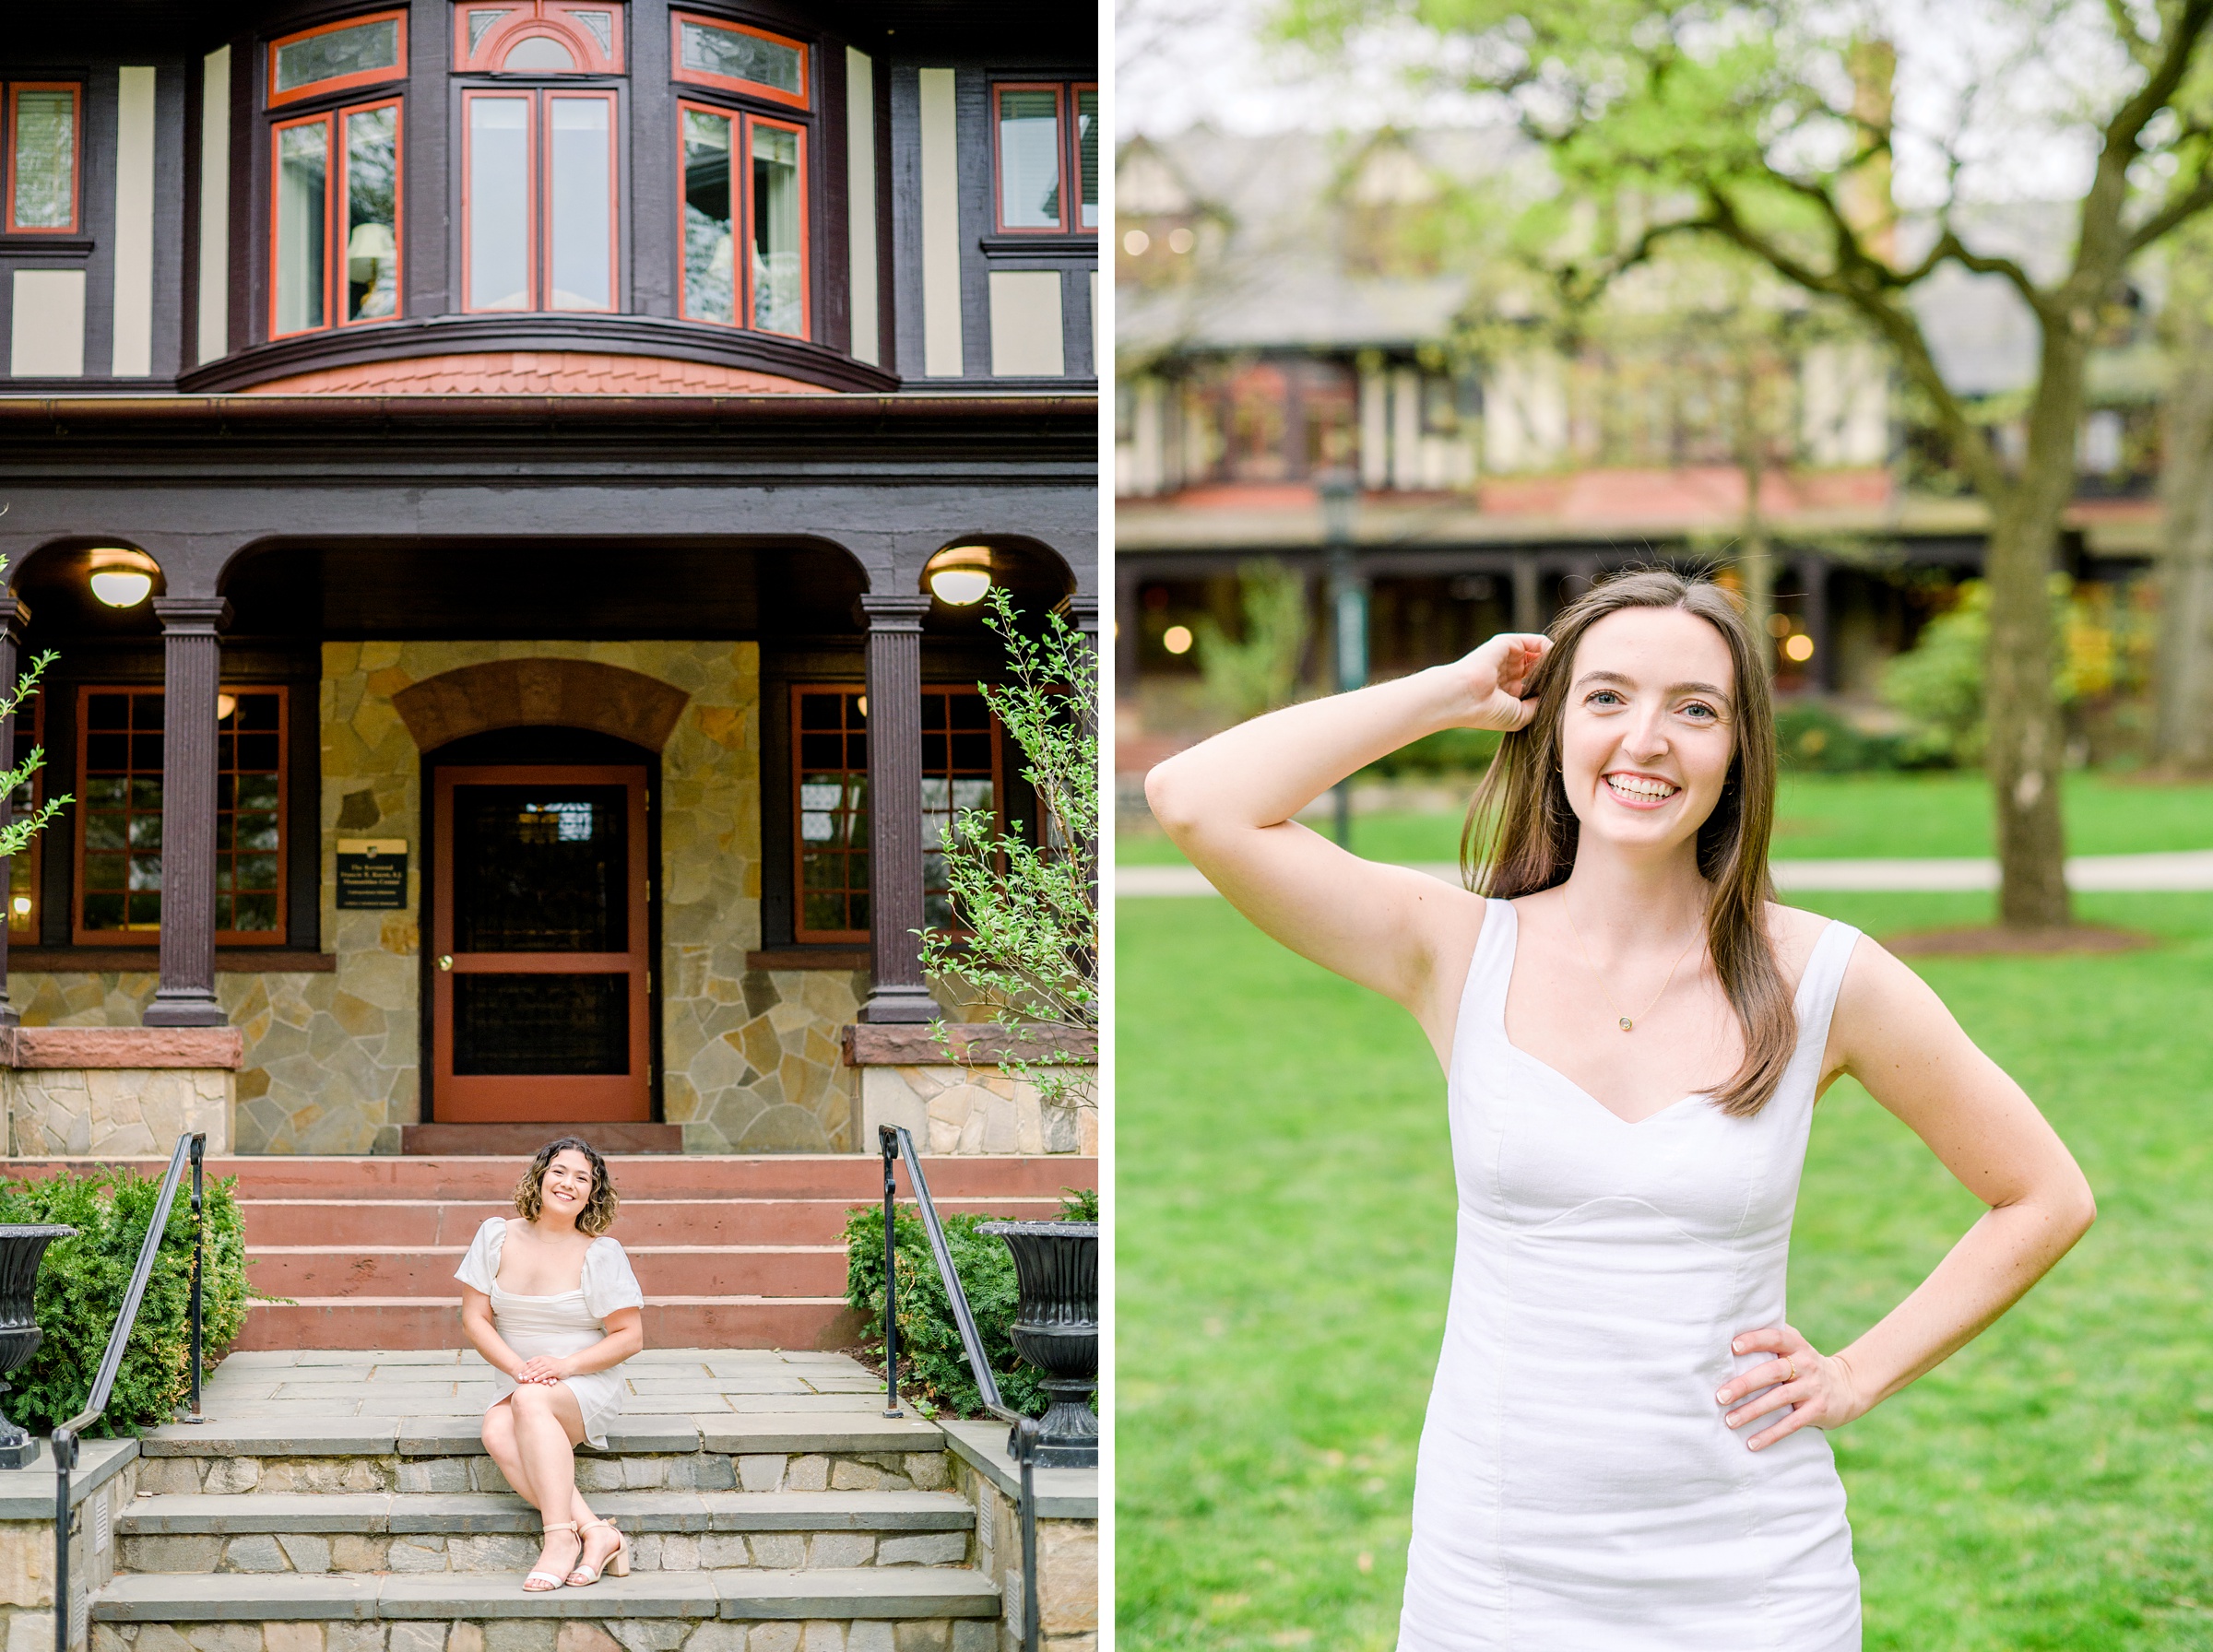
1495, 678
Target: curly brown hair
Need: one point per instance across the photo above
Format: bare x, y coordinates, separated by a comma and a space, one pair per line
598, 1212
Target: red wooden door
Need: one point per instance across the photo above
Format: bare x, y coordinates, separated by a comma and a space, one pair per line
538, 936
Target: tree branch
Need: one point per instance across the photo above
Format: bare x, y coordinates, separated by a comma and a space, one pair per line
2172, 215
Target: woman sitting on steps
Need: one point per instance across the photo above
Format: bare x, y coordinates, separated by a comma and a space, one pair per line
552, 1303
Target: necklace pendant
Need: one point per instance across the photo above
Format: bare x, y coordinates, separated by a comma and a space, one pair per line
1627, 1024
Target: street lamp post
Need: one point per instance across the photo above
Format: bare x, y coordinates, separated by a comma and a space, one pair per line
1349, 613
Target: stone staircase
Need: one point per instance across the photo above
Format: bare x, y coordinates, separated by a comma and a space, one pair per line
733, 1251
339, 1502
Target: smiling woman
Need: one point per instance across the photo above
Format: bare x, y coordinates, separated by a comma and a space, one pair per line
1627, 1438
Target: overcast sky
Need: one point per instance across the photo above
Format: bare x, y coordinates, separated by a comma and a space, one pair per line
1183, 61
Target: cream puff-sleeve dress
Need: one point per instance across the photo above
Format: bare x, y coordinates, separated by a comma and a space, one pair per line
553, 1325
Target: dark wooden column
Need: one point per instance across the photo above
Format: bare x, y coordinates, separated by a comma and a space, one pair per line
15, 615
1813, 575
894, 624
193, 668
1529, 605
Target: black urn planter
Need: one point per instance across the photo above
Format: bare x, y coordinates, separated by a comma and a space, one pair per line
22, 1244
1057, 1330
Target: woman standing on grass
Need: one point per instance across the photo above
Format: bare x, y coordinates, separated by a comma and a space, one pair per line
1634, 1033
552, 1303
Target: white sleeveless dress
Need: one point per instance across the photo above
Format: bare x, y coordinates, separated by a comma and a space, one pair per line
1577, 1487
553, 1325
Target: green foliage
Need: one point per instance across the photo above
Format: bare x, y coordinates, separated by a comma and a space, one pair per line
1031, 953
15, 836
1077, 1204
1815, 738
1449, 751
930, 1357
1258, 672
82, 1282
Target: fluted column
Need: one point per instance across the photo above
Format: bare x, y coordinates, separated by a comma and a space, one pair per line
15, 616
896, 808
193, 668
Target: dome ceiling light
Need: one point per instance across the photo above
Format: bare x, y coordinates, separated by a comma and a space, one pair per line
121, 578
960, 574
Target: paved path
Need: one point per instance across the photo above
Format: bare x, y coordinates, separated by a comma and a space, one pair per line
2191, 870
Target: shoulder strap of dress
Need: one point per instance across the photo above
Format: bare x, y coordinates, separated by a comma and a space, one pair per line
1823, 979
1483, 997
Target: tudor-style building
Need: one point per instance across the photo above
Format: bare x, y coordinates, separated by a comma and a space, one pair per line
520, 437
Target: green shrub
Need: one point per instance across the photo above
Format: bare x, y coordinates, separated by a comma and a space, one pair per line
82, 1282
1447, 751
932, 1364
1815, 738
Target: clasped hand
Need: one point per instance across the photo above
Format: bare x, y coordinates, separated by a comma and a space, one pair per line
1819, 1387
541, 1370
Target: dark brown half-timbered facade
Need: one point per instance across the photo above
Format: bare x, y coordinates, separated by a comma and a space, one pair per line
483, 471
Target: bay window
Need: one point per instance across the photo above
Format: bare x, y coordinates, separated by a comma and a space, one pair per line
1046, 149
767, 291
744, 257
335, 206
538, 231
338, 56
38, 155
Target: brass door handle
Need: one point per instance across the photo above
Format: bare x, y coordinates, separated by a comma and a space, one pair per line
446, 961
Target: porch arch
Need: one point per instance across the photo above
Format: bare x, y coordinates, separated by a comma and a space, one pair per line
518, 693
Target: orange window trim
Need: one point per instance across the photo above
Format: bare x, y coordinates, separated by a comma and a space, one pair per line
543, 183
545, 18
802, 99
806, 259
739, 295
77, 156
82, 936
800, 933
330, 169
316, 88
530, 100
1061, 120
337, 205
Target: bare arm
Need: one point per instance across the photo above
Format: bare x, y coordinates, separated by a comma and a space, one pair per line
1893, 1033
475, 1325
1227, 803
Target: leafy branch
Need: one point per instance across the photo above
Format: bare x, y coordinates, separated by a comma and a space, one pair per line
1028, 949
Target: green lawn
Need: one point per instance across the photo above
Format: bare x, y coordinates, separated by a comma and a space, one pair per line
1822, 817
1285, 1233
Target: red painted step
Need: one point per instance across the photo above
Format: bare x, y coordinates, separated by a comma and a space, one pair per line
524, 1140
734, 1251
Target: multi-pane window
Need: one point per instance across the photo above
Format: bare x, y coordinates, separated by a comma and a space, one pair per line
745, 182
120, 747
711, 52
538, 37
334, 57
960, 770
335, 212
1046, 144
539, 228
39, 154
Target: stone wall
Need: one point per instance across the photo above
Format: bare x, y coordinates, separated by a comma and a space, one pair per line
26, 1544
751, 1058
1068, 1560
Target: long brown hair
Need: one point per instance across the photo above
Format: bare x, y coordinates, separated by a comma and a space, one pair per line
1520, 835
598, 1212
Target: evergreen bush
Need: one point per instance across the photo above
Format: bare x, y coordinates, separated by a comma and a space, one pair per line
932, 1364
82, 1282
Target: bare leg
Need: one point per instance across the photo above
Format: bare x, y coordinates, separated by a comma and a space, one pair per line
499, 1442
548, 1424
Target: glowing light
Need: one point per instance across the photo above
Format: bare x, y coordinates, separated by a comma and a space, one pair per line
21, 906
224, 705
960, 574
1177, 639
1181, 240
1778, 625
121, 587
1799, 648
1136, 243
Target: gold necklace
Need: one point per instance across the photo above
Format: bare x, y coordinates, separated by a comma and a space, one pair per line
1627, 1023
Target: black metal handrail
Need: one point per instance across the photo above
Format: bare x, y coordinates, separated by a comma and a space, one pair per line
899, 1148
193, 1144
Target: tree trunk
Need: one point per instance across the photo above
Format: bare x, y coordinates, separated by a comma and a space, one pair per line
2026, 739
2183, 729
1755, 567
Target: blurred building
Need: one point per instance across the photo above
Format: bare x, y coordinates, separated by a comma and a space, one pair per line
1295, 305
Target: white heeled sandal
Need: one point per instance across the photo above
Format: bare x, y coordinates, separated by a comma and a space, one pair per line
583, 1576
545, 1583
